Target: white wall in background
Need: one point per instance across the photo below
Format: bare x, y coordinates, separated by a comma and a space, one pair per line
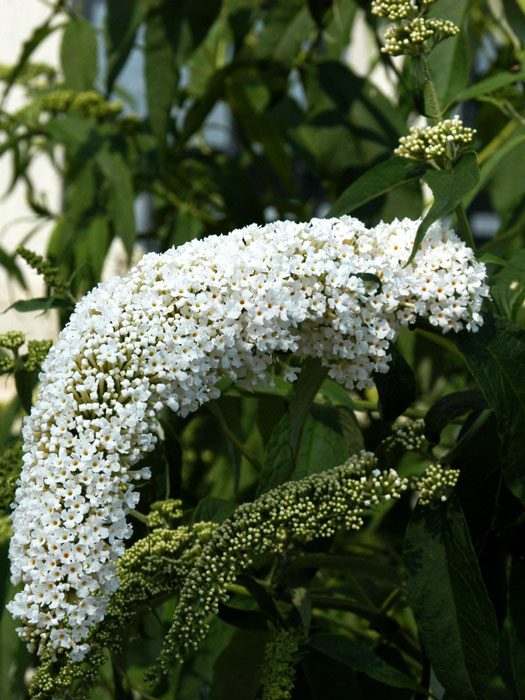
18, 18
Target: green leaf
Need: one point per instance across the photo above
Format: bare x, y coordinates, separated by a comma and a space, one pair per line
25, 382
40, 304
78, 55
517, 624
12, 269
319, 10
380, 179
237, 671
242, 619
215, 510
448, 187
396, 388
450, 407
360, 658
120, 196
91, 248
489, 169
488, 85
160, 70
323, 444
261, 596
447, 595
278, 463
30, 45
327, 679
338, 395
494, 356
304, 390
122, 22
508, 286
286, 27
507, 193
449, 61
350, 430
261, 128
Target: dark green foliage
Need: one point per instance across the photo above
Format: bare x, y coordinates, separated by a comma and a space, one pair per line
452, 609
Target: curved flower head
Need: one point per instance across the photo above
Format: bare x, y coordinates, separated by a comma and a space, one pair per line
220, 307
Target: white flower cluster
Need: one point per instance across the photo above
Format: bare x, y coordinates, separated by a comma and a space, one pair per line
445, 139
222, 306
436, 483
411, 37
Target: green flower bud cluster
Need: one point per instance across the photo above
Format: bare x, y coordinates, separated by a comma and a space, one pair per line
89, 103
412, 34
411, 37
12, 340
7, 364
399, 9
435, 483
51, 274
280, 657
295, 512
10, 467
407, 436
444, 140
150, 571
164, 513
5, 529
36, 354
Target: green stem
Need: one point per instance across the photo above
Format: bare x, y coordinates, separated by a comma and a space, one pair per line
497, 141
465, 232
139, 516
442, 342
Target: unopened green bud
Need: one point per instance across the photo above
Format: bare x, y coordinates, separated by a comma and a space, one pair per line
12, 339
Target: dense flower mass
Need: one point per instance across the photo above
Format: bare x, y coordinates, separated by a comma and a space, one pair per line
214, 308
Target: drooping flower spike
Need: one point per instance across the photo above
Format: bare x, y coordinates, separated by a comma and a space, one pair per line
165, 335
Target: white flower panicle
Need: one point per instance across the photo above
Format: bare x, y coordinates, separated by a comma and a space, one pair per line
165, 335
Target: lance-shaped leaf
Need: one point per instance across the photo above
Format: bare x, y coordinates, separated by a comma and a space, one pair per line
448, 187
381, 179
495, 355
304, 391
396, 388
517, 625
78, 55
122, 22
451, 606
360, 658
448, 409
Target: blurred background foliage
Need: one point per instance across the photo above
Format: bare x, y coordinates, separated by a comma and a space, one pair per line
251, 111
